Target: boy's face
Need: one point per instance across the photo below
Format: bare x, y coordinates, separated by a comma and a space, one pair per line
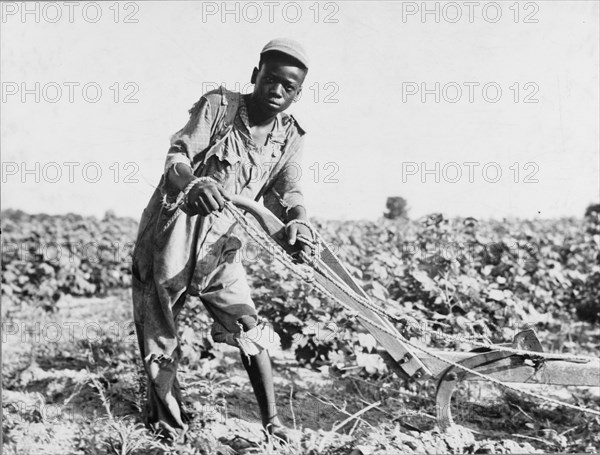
277, 83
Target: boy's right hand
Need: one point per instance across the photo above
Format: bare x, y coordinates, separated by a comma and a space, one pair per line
207, 197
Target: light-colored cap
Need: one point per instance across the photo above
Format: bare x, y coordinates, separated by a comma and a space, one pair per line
289, 47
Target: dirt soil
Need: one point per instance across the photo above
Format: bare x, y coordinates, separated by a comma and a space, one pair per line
73, 384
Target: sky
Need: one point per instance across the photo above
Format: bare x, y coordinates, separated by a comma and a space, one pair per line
483, 109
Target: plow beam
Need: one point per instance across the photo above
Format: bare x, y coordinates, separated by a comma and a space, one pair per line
518, 369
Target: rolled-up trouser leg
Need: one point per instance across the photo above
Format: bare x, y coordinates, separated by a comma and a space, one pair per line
227, 298
230, 304
157, 339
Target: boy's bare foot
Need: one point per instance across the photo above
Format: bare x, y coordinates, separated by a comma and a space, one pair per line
278, 431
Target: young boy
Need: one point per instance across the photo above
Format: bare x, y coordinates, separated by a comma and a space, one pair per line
232, 144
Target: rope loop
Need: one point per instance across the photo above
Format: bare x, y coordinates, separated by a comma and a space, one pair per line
182, 199
313, 231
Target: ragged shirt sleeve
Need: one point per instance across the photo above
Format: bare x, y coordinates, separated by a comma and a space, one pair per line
193, 138
286, 193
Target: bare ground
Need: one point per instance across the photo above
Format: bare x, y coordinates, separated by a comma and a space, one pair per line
73, 385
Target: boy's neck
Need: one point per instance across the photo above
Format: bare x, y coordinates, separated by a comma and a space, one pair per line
256, 117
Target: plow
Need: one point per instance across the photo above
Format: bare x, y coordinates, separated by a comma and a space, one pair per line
523, 361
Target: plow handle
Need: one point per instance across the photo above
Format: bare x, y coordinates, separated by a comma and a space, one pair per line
272, 225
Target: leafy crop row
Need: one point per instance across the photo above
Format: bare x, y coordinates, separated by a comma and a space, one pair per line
460, 276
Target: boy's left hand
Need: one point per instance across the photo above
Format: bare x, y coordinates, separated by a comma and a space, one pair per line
292, 231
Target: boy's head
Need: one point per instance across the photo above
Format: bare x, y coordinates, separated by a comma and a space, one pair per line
279, 76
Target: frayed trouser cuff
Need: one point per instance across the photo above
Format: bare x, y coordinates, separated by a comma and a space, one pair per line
252, 341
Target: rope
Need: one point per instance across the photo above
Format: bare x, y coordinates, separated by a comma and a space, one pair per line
263, 240
182, 199
178, 212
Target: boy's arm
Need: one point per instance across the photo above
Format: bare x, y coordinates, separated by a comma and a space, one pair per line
205, 196
187, 144
285, 198
297, 213
179, 176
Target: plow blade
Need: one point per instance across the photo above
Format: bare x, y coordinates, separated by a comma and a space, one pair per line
505, 367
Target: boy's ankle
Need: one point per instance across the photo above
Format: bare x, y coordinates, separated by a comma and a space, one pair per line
277, 431
275, 422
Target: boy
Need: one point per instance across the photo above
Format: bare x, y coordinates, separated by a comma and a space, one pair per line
232, 143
